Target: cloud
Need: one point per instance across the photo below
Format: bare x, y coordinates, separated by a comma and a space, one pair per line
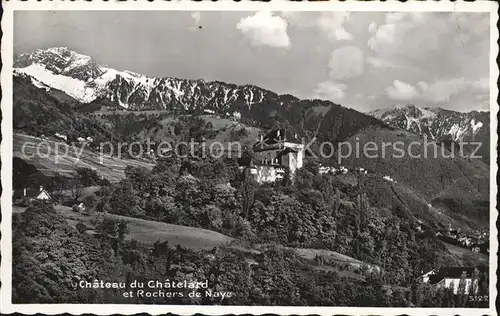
453, 40
380, 63
264, 28
439, 90
346, 62
388, 38
443, 90
482, 84
196, 17
330, 90
372, 27
330, 23
401, 91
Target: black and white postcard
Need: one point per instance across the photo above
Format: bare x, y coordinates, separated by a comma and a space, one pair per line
246, 157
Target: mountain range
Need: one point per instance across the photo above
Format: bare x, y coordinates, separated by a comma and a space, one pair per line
64, 72
78, 76
55, 88
441, 125
82, 78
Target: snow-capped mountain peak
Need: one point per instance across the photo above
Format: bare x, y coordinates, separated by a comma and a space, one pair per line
434, 122
85, 80
62, 61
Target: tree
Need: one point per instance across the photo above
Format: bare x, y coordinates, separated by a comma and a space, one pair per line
76, 188
138, 176
107, 227
57, 186
125, 200
87, 176
122, 230
247, 191
312, 166
81, 228
90, 201
103, 206
232, 168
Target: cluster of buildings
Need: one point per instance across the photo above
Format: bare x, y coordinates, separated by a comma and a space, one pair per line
463, 280
236, 116
85, 140
27, 196
79, 139
340, 170
476, 242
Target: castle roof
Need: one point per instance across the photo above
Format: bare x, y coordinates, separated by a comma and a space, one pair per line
276, 136
452, 273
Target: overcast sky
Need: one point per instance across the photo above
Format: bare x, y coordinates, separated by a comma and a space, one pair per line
363, 60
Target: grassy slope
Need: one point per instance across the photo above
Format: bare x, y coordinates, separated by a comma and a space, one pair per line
110, 168
221, 126
148, 232
467, 255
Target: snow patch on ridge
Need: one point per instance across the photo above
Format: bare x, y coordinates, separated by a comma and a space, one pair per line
475, 126
73, 87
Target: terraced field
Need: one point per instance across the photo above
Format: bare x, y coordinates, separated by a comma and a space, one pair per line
50, 156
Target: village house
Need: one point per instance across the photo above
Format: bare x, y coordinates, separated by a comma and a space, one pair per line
390, 179
426, 276
463, 280
80, 207
61, 136
361, 170
237, 116
29, 194
276, 154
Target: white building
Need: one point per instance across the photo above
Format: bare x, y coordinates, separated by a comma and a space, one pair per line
237, 115
275, 153
463, 280
388, 178
62, 136
33, 194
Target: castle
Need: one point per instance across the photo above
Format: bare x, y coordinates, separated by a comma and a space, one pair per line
276, 154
